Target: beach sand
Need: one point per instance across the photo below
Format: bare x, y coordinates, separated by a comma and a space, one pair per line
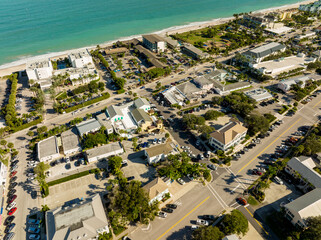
20, 65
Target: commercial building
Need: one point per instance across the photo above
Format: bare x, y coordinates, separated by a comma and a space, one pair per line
259, 94
150, 56
89, 126
285, 84
39, 70
47, 149
104, 121
304, 166
256, 55
307, 35
82, 75
193, 52
257, 19
174, 95
223, 89
218, 74
142, 119
83, 220
81, 59
70, 142
203, 83
231, 134
158, 153
142, 103
105, 151
311, 7
172, 43
190, 90
156, 189
154, 42
308, 205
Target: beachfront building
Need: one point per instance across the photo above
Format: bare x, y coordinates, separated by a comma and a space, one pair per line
39, 70
259, 94
70, 142
80, 59
89, 126
193, 52
48, 149
171, 43
311, 7
308, 205
231, 134
79, 219
104, 151
154, 43
79, 76
256, 55
145, 53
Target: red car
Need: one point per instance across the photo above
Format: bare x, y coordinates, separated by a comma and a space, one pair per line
256, 172
12, 199
12, 211
13, 174
242, 201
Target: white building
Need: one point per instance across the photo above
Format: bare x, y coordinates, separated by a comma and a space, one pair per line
39, 70
47, 149
174, 96
104, 121
89, 126
104, 151
154, 42
70, 142
228, 136
84, 219
308, 205
256, 55
307, 35
78, 76
158, 153
81, 59
285, 84
259, 94
156, 189
3, 173
312, 7
142, 103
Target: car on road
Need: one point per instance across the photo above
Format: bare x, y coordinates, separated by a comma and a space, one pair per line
181, 181
212, 166
9, 220
168, 210
202, 222
174, 206
34, 236
9, 227
12, 174
162, 214
12, 211
242, 201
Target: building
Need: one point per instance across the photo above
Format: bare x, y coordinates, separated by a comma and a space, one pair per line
231, 237
39, 70
150, 56
218, 74
256, 19
223, 89
81, 59
116, 50
190, 90
174, 95
193, 52
82, 75
231, 134
89, 126
83, 220
70, 142
142, 103
141, 118
311, 7
105, 151
47, 149
104, 121
308, 205
256, 55
158, 153
45, 83
259, 94
203, 83
304, 167
156, 189
3, 174
285, 84
154, 42
317, 54
172, 43
307, 35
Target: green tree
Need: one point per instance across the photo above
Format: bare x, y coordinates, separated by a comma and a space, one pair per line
207, 233
314, 229
40, 170
256, 123
44, 208
114, 164
41, 129
235, 223
213, 115
105, 236
10, 145
166, 135
3, 142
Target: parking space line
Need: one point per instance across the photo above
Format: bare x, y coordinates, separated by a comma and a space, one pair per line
269, 145
183, 218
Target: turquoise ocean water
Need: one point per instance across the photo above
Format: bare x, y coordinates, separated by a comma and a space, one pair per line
34, 27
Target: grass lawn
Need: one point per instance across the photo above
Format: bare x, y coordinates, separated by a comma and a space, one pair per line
251, 200
196, 36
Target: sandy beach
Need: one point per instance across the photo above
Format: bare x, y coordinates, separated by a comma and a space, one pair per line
20, 65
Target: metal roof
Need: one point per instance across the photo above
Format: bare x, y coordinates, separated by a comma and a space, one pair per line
265, 50
87, 126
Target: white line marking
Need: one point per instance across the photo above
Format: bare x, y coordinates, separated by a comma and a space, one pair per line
210, 186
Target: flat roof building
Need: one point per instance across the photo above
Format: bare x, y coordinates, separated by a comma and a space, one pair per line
104, 121
39, 70
174, 96
154, 42
194, 52
47, 149
259, 94
172, 43
89, 126
70, 142
150, 56
105, 151
286, 84
256, 55
81, 59
83, 75
84, 220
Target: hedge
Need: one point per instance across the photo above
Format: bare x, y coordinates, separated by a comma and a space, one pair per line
27, 125
71, 177
73, 108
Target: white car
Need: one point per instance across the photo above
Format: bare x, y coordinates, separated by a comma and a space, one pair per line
181, 181
31, 178
193, 227
202, 222
30, 175
11, 205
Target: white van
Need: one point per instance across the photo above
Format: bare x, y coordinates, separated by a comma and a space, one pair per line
278, 180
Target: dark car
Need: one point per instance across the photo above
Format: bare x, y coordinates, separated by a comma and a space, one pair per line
168, 210
12, 191
9, 220
130, 178
14, 163
174, 206
13, 179
34, 194
13, 185
208, 217
9, 227
12, 198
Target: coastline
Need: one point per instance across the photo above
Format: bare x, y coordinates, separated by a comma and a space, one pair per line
19, 65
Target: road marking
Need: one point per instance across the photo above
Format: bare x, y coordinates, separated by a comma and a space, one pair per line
183, 217
257, 221
317, 104
216, 195
235, 188
268, 145
229, 170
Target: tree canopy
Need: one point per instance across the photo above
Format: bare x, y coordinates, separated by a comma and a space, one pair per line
235, 222
213, 115
190, 121
207, 233
257, 123
314, 229
114, 163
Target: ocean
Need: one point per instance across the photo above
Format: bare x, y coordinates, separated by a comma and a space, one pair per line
34, 27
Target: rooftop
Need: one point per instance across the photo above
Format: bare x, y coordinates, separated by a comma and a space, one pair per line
103, 120
228, 132
258, 94
155, 187
188, 88
39, 64
88, 126
154, 38
48, 147
79, 54
98, 151
174, 95
70, 140
195, 50
265, 50
159, 149
140, 115
140, 102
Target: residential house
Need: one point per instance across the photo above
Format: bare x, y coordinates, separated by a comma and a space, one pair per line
141, 118
157, 153
231, 134
256, 55
104, 121
48, 149
104, 151
89, 126
193, 52
154, 42
156, 189
70, 142
81, 59
308, 205
84, 219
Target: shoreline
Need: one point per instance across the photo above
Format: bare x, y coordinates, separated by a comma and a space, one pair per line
19, 65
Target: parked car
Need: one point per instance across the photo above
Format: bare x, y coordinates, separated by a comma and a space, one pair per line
9, 227
174, 206
12, 191
9, 220
11, 199
193, 227
202, 222
14, 168
11, 205
9, 236
181, 181
256, 172
34, 236
33, 221
162, 214
12, 211
212, 166
33, 230
278, 180
12, 174
208, 217
168, 210
13, 185
242, 201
